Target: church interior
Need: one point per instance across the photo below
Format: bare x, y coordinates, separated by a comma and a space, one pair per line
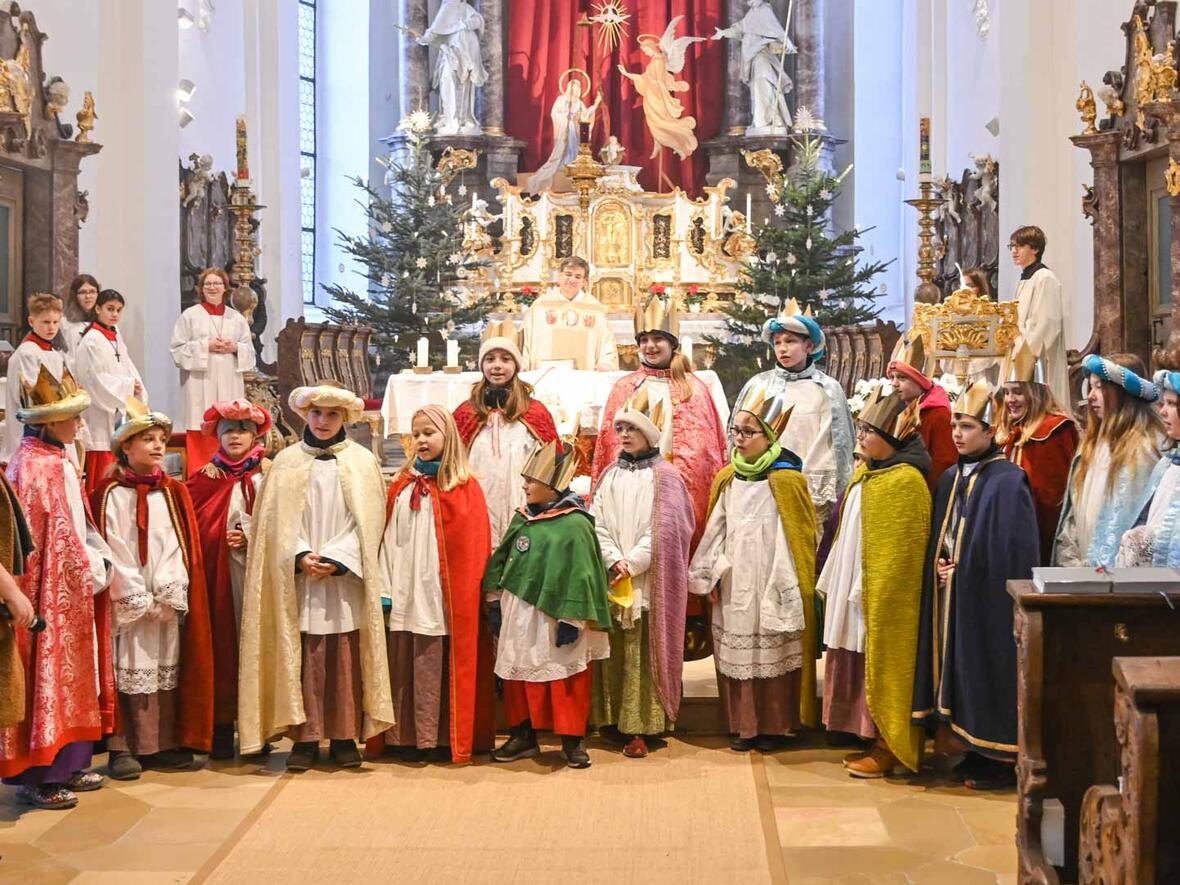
391, 186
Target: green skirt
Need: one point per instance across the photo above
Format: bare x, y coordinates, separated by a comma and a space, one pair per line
624, 693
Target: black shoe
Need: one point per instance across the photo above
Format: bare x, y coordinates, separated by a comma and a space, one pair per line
574, 748
170, 760
122, 766
967, 767
770, 743
992, 774
437, 754
406, 754
741, 744
223, 742
345, 754
303, 755
521, 745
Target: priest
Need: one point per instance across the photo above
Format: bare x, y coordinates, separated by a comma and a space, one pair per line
569, 326
983, 534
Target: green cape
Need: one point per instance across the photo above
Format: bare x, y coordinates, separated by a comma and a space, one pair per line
553, 562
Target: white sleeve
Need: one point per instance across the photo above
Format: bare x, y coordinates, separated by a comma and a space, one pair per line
1044, 320
639, 556
189, 352
610, 550
245, 341
344, 547
108, 390
709, 564
130, 596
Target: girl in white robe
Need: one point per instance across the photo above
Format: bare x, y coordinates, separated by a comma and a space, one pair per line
80, 301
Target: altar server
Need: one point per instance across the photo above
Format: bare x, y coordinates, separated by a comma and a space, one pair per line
569, 326
821, 424
547, 593
1113, 464
1038, 436
501, 424
436, 544
311, 608
872, 584
35, 350
757, 560
105, 369
81, 297
1155, 541
1041, 308
908, 372
644, 521
694, 437
163, 644
70, 689
984, 534
223, 493
213, 348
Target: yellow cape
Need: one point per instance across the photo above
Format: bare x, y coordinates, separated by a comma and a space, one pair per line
796, 512
270, 694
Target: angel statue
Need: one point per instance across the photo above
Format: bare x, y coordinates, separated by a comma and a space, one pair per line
568, 113
764, 45
657, 87
454, 34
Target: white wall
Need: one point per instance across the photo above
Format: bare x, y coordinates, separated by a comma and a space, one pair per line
214, 60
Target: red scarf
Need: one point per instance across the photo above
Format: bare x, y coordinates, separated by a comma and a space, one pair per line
142, 485
421, 488
243, 469
34, 338
214, 310
110, 333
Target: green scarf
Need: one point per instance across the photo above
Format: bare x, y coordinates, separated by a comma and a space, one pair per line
749, 469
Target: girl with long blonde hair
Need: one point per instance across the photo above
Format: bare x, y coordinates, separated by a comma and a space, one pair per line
1119, 447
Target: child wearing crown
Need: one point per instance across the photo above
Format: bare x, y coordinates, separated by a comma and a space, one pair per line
223, 493
908, 374
162, 639
35, 350
65, 579
757, 561
502, 425
821, 423
312, 623
644, 522
433, 554
872, 584
547, 590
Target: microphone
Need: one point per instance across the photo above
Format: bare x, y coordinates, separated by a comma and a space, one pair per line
38, 624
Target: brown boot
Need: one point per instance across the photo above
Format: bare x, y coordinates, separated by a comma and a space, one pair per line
878, 763
855, 757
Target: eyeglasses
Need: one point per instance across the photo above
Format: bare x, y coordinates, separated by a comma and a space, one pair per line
746, 433
864, 430
1012, 247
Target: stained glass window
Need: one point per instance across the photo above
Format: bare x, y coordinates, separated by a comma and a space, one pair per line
307, 144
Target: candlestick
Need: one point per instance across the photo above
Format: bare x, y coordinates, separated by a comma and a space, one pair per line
423, 353
749, 214
243, 163
924, 167
686, 348
452, 352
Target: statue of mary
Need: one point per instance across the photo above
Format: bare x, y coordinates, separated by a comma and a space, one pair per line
568, 113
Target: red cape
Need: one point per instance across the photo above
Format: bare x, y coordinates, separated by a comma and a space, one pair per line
1046, 458
934, 427
211, 491
63, 704
464, 546
194, 727
536, 418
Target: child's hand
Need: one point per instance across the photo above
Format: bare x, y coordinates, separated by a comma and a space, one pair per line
235, 538
621, 569
945, 568
23, 614
137, 392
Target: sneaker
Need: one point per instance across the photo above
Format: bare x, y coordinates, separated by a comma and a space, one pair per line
636, 748
878, 763
574, 748
53, 797
85, 781
741, 744
521, 745
122, 766
223, 742
171, 760
345, 754
303, 755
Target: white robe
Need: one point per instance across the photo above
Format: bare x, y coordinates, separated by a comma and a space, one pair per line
527, 650
622, 511
1041, 316
841, 581
236, 518
105, 369
498, 454
333, 604
98, 552
1077, 529
409, 561
758, 625
25, 362
561, 330
809, 435
72, 332
147, 652
206, 378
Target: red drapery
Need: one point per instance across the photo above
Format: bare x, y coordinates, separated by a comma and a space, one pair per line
542, 44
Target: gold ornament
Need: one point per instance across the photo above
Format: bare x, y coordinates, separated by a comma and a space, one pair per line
554, 464
86, 118
453, 161
978, 402
1087, 108
767, 162
768, 410
1172, 177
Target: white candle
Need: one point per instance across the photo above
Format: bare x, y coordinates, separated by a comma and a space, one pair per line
452, 353
473, 201
423, 353
686, 347
749, 213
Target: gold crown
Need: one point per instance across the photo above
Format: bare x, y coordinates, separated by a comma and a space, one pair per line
890, 414
657, 315
978, 402
50, 399
792, 310
137, 418
913, 354
554, 464
641, 402
768, 410
500, 329
1022, 365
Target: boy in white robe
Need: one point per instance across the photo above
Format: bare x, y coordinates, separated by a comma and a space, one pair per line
34, 351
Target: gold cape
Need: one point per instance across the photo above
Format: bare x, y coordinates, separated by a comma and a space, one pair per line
270, 694
796, 512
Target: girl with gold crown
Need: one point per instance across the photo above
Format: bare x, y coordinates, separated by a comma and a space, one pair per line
644, 522
433, 554
501, 424
162, 636
757, 562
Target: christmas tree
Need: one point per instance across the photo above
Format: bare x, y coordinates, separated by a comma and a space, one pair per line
413, 258
798, 255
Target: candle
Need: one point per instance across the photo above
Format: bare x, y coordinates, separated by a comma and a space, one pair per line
452, 353
423, 353
924, 167
686, 348
473, 201
243, 164
749, 213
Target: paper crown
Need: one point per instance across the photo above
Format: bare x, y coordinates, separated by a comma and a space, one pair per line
137, 418
50, 399
909, 358
801, 322
553, 464
501, 335
767, 409
657, 315
639, 411
1022, 365
326, 396
890, 414
977, 401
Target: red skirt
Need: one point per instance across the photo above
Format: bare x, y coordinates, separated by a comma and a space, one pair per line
561, 706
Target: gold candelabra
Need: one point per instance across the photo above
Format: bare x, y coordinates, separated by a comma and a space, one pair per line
584, 172
243, 204
927, 204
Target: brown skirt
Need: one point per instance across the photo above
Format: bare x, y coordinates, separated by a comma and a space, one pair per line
418, 675
846, 707
147, 723
333, 701
761, 706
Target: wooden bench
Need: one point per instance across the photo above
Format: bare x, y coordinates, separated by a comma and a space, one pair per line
860, 353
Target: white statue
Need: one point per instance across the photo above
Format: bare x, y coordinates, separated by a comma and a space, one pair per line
949, 210
612, 153
764, 43
459, 69
568, 113
985, 178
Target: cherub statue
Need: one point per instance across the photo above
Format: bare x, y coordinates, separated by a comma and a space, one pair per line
949, 210
57, 96
612, 152
985, 178
196, 178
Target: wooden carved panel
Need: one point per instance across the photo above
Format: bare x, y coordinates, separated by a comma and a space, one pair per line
967, 226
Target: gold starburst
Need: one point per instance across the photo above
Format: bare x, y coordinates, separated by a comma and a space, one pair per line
611, 17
